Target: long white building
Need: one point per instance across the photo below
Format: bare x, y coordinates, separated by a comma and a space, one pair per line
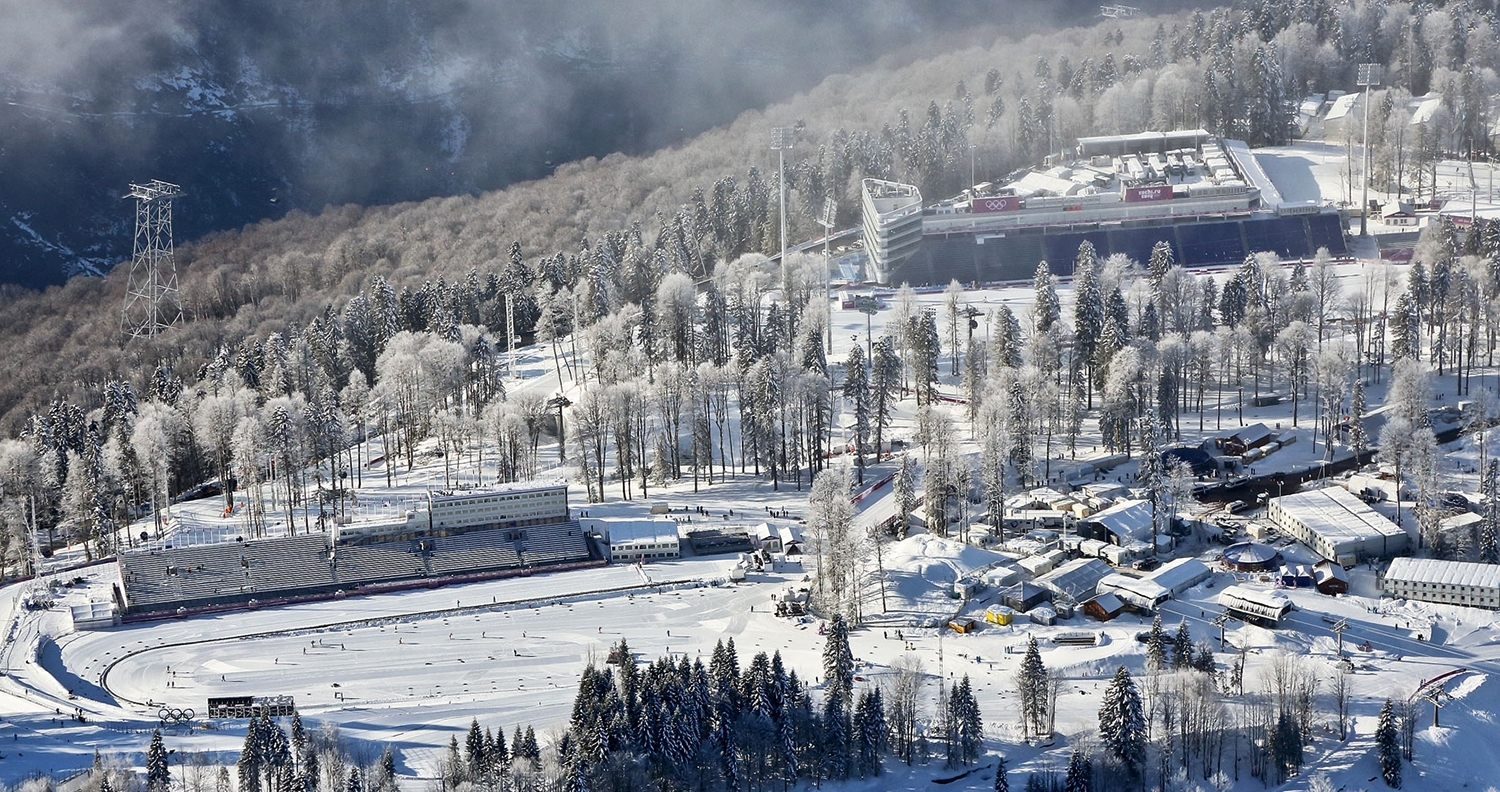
1450, 582
1337, 525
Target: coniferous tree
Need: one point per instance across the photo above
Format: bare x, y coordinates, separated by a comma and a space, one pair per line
869, 733
1156, 646
885, 380
835, 737
1122, 725
1489, 518
1080, 776
905, 493
158, 774
838, 660
1031, 683
1358, 441
1386, 748
1046, 310
857, 392
1182, 647
1002, 775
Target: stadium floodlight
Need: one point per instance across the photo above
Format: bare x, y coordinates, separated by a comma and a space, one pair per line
1369, 77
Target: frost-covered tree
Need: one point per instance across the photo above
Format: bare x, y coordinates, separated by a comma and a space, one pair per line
830, 521
1386, 749
158, 774
1156, 646
905, 493
1046, 310
1031, 683
857, 396
1489, 519
1122, 725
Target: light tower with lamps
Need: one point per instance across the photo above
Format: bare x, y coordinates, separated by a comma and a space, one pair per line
1369, 77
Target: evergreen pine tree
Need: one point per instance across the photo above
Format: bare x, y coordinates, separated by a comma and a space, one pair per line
1122, 726
1358, 441
1080, 777
869, 733
905, 493
857, 392
474, 754
1156, 646
388, 768
1387, 751
158, 775
1031, 683
356, 781
970, 724
838, 661
1489, 516
1046, 310
835, 738
1182, 647
1002, 776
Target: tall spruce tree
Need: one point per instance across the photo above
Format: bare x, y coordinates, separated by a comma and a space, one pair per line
857, 394
1182, 647
838, 660
158, 774
1122, 725
1156, 646
1489, 518
1080, 776
1031, 682
1387, 751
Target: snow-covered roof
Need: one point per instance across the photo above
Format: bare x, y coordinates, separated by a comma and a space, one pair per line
1337, 516
1077, 578
1129, 519
1342, 106
1451, 573
1137, 591
1180, 575
1459, 521
1108, 603
1423, 108
631, 531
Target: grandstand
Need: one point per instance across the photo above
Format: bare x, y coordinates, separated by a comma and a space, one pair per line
534, 530
1206, 198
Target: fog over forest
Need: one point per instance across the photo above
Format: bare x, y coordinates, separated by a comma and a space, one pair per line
257, 109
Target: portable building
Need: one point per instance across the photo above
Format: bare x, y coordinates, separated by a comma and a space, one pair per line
1337, 525
1180, 575
1139, 593
1036, 565
1258, 606
1123, 523
1104, 607
1331, 578
1025, 596
1076, 579
1452, 582
998, 614
1002, 576
963, 626
1296, 576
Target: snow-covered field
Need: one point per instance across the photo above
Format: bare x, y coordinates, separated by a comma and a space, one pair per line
412, 669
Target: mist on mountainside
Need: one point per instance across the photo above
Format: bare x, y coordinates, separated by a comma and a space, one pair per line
257, 109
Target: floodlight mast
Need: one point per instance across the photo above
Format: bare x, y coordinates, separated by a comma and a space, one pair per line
1369, 77
151, 304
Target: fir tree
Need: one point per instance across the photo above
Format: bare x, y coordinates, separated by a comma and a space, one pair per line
1182, 647
1031, 682
356, 781
1387, 751
1156, 646
1080, 777
1358, 442
1489, 518
838, 660
905, 493
474, 753
857, 392
869, 733
158, 775
835, 738
1122, 726
1046, 310
1002, 777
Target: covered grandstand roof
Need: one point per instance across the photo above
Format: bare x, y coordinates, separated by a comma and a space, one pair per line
1247, 556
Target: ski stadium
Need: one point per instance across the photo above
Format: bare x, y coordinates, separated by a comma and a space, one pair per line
456, 536
1206, 197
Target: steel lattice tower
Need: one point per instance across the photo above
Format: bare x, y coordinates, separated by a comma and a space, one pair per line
151, 304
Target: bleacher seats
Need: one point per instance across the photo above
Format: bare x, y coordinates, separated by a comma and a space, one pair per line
1326, 231
162, 580
1138, 242
1211, 243
1284, 236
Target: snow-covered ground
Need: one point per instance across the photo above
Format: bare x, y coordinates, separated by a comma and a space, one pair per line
411, 669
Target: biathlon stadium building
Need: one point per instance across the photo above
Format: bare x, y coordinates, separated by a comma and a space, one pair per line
1206, 197
508, 530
